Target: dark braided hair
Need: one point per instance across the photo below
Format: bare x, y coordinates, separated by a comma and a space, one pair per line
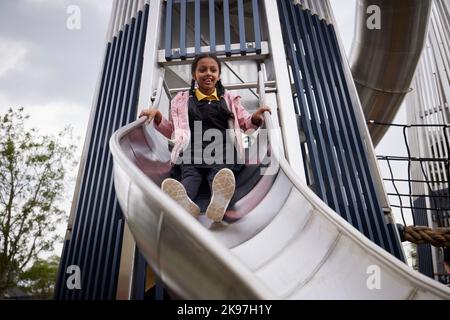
219, 87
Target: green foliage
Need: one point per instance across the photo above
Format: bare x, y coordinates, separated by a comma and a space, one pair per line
40, 279
32, 179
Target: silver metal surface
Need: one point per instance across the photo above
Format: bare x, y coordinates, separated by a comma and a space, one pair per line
383, 61
305, 250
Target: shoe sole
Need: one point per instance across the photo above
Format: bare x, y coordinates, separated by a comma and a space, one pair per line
177, 192
223, 187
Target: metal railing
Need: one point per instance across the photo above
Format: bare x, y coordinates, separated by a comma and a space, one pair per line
217, 11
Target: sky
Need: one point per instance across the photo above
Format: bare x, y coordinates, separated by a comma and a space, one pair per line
49, 69
52, 70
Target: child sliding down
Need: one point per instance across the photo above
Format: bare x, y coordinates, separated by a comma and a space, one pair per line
206, 110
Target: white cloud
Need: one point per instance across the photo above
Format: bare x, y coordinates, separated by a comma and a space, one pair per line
12, 55
52, 117
102, 6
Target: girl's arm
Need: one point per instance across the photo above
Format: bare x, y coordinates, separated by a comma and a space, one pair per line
247, 120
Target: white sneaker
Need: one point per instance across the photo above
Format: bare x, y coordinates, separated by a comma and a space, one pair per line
222, 191
177, 192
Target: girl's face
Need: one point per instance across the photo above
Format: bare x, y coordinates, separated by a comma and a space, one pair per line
206, 74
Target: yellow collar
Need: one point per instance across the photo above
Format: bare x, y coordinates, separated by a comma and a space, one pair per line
200, 96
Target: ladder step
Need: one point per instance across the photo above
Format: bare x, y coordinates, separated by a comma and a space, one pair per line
220, 52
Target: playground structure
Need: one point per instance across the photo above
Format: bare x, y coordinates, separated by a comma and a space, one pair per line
314, 226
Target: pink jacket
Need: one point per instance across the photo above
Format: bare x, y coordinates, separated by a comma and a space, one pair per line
177, 128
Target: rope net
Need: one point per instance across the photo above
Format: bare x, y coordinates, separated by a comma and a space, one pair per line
427, 193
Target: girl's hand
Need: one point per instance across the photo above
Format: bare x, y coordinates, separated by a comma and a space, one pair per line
258, 115
152, 114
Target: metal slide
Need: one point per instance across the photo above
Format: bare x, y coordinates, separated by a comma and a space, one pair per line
384, 60
289, 245
278, 241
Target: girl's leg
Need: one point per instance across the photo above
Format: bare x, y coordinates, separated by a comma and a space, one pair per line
191, 179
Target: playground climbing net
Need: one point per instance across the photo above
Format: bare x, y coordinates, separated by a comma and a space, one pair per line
424, 192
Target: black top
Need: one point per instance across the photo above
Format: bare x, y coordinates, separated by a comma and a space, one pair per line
210, 113
208, 122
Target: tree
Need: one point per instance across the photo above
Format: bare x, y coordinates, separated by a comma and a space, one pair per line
32, 180
40, 279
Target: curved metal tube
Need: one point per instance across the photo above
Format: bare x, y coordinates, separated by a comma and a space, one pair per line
383, 61
291, 246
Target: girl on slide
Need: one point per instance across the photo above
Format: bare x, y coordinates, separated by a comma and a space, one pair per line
205, 109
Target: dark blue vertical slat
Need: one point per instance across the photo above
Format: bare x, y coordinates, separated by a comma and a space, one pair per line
183, 30
128, 114
111, 284
320, 121
102, 201
425, 261
390, 239
138, 289
441, 202
102, 227
168, 35
127, 117
351, 131
159, 289
243, 46
80, 216
424, 257
116, 107
95, 206
309, 181
343, 116
392, 243
197, 27
337, 130
330, 124
90, 156
131, 104
392, 233
226, 27
309, 110
306, 123
68, 247
341, 140
78, 238
256, 25
212, 26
